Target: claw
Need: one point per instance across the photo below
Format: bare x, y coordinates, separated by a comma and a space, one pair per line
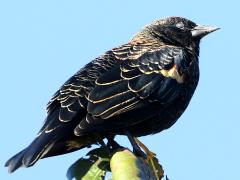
151, 156
136, 149
149, 153
112, 145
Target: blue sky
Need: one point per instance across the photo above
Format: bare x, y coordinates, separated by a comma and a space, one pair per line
43, 43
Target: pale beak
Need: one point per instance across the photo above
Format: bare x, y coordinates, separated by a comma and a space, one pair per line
200, 31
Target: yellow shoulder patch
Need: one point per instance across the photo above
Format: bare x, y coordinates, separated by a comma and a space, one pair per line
173, 73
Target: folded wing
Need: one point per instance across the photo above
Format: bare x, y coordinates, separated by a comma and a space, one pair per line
154, 76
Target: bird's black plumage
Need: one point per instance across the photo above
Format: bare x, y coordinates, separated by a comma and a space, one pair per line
143, 87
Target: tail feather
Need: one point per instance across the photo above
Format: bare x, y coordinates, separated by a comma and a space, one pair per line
15, 162
46, 145
36, 151
32, 153
54, 133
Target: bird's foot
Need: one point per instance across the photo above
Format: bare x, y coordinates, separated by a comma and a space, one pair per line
112, 145
136, 149
151, 158
150, 154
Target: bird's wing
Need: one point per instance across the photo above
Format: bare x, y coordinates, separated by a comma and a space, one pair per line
70, 100
72, 96
108, 86
64, 112
152, 76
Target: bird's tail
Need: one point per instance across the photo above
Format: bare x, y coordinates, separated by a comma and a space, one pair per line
15, 162
54, 138
47, 145
29, 156
49, 135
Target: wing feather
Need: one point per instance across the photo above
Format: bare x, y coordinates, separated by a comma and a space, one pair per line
134, 82
139, 74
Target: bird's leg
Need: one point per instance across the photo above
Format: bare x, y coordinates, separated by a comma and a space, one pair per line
136, 149
102, 143
149, 153
99, 139
150, 156
112, 145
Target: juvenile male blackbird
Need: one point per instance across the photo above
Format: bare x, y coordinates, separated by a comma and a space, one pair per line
138, 88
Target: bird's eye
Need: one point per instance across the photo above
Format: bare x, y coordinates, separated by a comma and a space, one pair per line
180, 25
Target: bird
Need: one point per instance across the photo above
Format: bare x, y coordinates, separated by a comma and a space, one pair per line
136, 89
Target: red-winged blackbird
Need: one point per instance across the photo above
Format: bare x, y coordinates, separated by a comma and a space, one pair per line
139, 88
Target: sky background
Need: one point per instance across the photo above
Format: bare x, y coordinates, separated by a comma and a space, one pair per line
43, 43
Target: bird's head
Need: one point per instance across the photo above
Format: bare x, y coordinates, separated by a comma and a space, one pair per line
176, 31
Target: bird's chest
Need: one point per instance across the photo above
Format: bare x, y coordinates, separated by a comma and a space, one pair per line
167, 117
